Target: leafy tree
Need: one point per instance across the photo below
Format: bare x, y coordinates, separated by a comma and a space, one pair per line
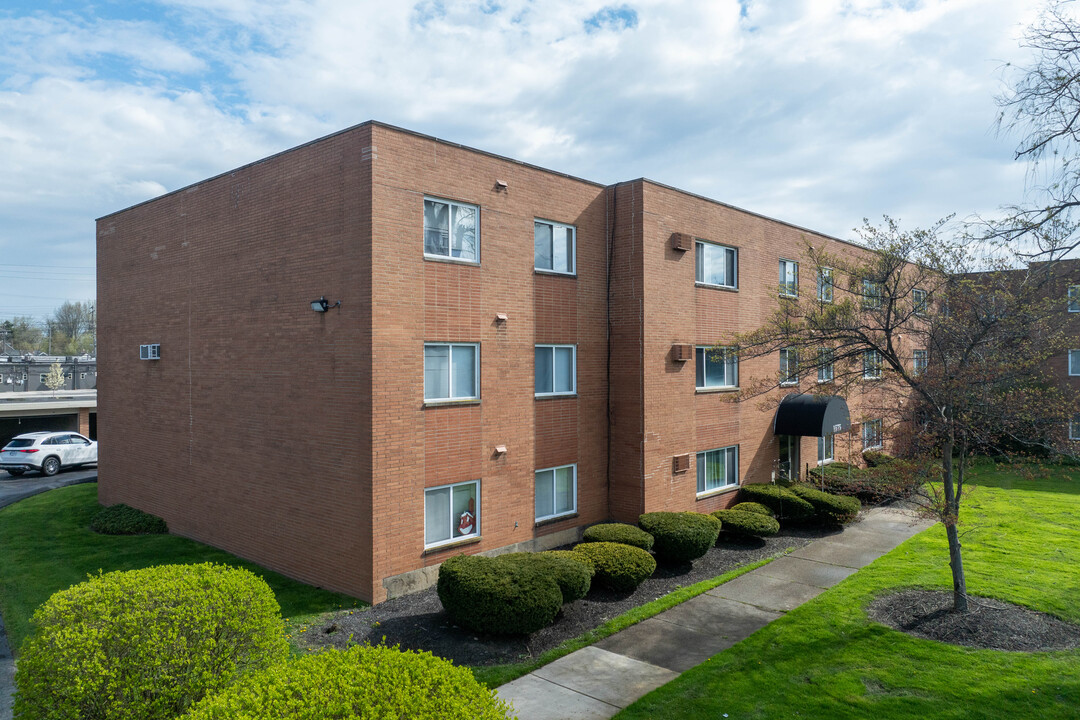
984, 332
54, 380
22, 333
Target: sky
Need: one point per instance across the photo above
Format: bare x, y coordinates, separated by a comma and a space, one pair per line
816, 112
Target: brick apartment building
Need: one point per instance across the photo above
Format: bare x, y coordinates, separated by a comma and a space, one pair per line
517, 354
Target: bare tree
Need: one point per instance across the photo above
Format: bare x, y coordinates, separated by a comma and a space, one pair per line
948, 346
72, 325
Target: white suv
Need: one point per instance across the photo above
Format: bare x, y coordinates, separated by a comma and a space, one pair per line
47, 452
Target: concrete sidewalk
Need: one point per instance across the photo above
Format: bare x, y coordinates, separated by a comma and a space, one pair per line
598, 681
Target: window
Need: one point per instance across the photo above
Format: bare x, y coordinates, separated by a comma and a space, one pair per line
789, 278
451, 512
825, 366
1074, 428
871, 294
716, 369
556, 369
553, 247
825, 447
556, 491
789, 367
451, 372
919, 361
717, 469
918, 301
871, 365
450, 230
1074, 362
824, 285
42, 377
1074, 298
716, 265
871, 434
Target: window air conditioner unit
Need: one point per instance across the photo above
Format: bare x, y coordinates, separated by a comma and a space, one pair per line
682, 241
682, 353
680, 463
150, 352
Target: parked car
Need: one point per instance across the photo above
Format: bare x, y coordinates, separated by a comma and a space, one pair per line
47, 452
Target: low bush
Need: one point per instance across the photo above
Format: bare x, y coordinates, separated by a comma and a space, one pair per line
876, 458
747, 524
786, 505
147, 643
895, 479
361, 682
572, 574
498, 595
753, 507
620, 533
829, 508
618, 567
126, 520
680, 536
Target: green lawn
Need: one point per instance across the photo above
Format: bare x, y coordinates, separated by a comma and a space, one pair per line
826, 660
45, 546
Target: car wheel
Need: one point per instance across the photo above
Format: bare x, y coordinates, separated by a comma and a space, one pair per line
51, 466
16, 473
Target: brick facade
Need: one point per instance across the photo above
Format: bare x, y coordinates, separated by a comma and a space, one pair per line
315, 464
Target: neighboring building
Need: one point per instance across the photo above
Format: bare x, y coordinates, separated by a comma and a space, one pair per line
26, 372
517, 354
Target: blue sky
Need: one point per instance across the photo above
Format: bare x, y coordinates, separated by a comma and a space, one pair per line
817, 112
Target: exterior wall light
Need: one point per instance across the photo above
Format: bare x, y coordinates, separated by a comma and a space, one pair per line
322, 305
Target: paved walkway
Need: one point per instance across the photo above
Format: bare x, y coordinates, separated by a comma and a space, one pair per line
598, 681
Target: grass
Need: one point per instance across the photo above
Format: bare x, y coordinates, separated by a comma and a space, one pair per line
46, 545
1021, 540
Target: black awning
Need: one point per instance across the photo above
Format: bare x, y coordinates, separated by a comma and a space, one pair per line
811, 415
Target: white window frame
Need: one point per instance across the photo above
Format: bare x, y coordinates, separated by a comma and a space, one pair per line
825, 285
1074, 428
918, 304
788, 377
42, 377
450, 369
450, 231
872, 294
822, 458
917, 367
871, 365
826, 372
1074, 298
558, 513
573, 372
476, 519
572, 259
868, 434
731, 367
699, 264
789, 288
702, 465
1074, 362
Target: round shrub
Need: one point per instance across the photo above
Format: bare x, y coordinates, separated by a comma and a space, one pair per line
498, 596
618, 567
146, 644
829, 508
786, 505
680, 536
569, 571
619, 533
361, 682
752, 507
747, 524
125, 520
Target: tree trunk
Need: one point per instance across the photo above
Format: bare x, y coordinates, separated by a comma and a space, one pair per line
950, 517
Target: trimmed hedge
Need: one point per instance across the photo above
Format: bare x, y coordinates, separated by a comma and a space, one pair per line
753, 507
125, 520
680, 536
786, 505
747, 524
619, 533
828, 508
497, 595
876, 458
571, 573
147, 643
361, 682
618, 567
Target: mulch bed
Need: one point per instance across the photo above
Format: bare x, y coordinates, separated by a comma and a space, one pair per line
989, 625
418, 621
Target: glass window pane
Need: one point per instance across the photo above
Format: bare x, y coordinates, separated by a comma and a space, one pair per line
564, 489
564, 370
699, 262
436, 371
544, 370
729, 276
436, 515
731, 370
732, 476
714, 470
714, 264
545, 493
1074, 362
464, 365
558, 249
465, 502
567, 254
699, 361
436, 228
542, 246
463, 239
701, 472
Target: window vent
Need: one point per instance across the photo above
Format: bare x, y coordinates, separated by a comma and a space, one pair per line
682, 241
682, 353
680, 463
150, 352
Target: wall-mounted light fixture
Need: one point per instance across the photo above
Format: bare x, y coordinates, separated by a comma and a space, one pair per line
500, 449
500, 186
501, 317
322, 305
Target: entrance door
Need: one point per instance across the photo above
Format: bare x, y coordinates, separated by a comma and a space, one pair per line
788, 465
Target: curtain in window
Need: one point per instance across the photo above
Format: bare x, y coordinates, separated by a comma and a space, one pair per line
563, 370
564, 489
545, 493
436, 228
463, 360
544, 370
542, 246
436, 371
436, 515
